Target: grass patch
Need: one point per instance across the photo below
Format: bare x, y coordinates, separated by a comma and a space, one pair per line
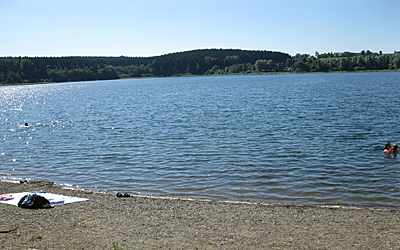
37, 237
116, 246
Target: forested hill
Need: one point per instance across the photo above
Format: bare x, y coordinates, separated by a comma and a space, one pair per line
195, 62
15, 70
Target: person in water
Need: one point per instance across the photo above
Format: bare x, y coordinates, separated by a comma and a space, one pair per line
388, 148
26, 124
395, 149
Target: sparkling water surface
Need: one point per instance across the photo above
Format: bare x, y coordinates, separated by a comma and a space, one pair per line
294, 138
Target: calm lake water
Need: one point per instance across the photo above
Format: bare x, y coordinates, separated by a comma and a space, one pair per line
294, 138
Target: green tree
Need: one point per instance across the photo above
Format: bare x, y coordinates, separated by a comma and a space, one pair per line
2, 78
270, 65
361, 62
318, 66
289, 62
230, 60
383, 62
261, 65
13, 77
369, 62
300, 66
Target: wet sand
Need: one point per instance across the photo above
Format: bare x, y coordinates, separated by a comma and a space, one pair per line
110, 222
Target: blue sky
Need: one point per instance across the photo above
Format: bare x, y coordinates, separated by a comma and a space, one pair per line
155, 27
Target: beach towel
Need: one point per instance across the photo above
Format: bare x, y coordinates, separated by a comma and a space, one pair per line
54, 199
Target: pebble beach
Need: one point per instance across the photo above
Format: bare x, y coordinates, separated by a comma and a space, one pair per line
106, 221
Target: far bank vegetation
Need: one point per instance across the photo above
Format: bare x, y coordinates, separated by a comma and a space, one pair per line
17, 70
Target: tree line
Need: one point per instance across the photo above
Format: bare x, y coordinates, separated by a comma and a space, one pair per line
16, 70
346, 61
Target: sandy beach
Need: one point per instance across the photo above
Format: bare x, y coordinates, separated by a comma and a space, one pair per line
110, 222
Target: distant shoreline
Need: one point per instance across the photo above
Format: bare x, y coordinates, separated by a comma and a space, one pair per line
194, 62
232, 74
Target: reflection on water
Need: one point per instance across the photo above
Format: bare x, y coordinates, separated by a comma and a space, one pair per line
303, 139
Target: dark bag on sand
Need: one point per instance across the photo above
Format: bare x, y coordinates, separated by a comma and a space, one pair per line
34, 201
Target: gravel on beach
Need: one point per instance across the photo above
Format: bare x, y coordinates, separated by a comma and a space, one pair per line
106, 221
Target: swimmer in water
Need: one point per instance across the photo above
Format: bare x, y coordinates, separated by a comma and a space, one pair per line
388, 148
26, 124
395, 149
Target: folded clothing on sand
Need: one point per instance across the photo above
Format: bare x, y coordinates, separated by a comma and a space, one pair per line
6, 197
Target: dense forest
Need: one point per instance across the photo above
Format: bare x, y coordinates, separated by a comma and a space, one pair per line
16, 70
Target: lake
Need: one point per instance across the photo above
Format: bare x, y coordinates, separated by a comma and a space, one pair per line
313, 139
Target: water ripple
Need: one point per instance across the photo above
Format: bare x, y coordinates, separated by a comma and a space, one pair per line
303, 139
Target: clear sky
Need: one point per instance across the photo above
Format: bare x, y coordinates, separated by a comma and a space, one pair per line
157, 27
